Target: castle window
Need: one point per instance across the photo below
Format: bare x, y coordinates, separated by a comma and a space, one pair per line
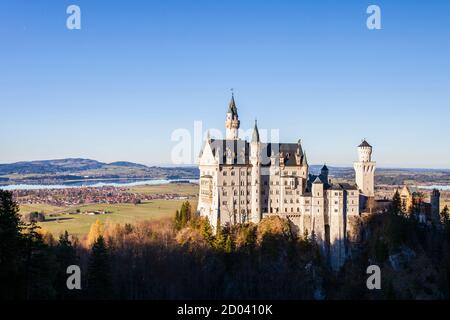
292, 209
335, 210
335, 202
224, 193
285, 209
298, 209
224, 183
225, 173
224, 203
232, 173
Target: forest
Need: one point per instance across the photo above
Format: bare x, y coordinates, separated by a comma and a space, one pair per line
181, 258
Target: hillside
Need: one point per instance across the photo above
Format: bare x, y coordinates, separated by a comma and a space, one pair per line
54, 171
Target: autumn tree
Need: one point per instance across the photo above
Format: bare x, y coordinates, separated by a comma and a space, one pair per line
444, 214
95, 232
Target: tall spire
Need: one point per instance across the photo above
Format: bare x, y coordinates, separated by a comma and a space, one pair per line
232, 122
255, 135
232, 106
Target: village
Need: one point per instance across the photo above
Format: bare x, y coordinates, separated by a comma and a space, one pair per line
89, 195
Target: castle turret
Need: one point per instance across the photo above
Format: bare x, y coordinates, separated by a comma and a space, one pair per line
435, 200
324, 173
232, 122
255, 160
365, 170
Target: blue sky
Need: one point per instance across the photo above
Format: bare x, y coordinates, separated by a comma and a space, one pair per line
138, 70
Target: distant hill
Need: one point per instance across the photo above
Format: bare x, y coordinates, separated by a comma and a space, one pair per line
51, 171
60, 170
50, 166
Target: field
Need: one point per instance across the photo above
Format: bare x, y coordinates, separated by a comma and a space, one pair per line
58, 220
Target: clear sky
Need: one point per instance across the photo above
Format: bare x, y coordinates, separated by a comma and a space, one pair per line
138, 70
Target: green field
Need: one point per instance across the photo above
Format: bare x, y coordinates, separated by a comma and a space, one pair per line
181, 189
79, 224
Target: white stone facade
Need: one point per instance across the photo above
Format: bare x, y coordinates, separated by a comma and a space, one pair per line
244, 181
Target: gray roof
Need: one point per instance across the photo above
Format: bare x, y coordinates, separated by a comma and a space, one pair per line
255, 135
364, 144
232, 107
240, 151
317, 181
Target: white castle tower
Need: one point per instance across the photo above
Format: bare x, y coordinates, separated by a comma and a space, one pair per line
232, 122
255, 161
365, 170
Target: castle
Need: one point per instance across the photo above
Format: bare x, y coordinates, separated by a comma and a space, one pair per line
243, 181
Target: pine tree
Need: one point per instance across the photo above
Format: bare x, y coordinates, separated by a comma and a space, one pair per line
39, 265
228, 244
396, 205
206, 231
65, 256
99, 284
220, 239
10, 246
177, 220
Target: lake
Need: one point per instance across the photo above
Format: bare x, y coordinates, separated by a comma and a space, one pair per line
439, 187
95, 184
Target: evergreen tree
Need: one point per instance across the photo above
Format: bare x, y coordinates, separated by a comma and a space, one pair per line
10, 246
228, 247
220, 239
396, 205
65, 257
99, 284
39, 265
177, 220
206, 231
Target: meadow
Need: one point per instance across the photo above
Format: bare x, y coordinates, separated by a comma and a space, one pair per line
59, 220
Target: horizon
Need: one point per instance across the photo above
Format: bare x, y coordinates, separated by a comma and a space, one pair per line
168, 165
133, 75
